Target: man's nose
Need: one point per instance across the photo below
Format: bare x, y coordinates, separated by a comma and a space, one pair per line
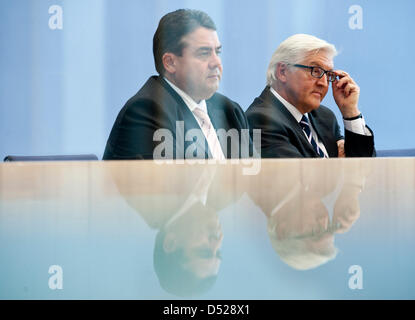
215, 239
215, 61
323, 81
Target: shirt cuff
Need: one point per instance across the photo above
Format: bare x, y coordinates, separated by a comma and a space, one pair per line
357, 126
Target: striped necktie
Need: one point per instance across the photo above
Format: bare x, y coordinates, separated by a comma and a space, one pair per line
209, 133
307, 130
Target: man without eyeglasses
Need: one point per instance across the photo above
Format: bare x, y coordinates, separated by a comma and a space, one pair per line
294, 124
182, 100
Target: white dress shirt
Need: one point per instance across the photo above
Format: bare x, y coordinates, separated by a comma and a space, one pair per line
200, 193
210, 135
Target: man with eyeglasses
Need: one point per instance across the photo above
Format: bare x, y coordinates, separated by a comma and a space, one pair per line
293, 123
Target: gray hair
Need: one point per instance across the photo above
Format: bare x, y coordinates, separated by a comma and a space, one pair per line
294, 49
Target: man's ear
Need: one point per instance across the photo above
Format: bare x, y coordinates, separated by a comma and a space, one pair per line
169, 243
168, 60
281, 71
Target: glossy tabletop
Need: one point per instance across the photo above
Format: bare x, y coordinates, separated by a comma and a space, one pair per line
291, 229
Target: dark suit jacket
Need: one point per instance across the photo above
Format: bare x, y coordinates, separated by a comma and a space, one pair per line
157, 106
283, 137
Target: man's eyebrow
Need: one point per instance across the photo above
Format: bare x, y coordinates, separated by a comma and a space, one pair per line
204, 49
209, 48
316, 64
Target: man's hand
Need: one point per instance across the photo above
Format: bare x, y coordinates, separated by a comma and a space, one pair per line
340, 147
346, 94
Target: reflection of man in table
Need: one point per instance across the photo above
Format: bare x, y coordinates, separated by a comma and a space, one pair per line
299, 230
187, 246
299, 224
186, 253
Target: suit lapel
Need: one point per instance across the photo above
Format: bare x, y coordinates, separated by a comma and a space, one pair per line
290, 120
184, 114
218, 118
321, 129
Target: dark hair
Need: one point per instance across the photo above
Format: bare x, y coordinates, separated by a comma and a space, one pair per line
173, 277
172, 28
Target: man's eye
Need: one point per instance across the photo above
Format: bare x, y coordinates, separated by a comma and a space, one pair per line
204, 253
203, 55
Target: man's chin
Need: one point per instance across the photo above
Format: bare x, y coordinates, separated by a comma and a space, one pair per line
310, 107
210, 92
314, 105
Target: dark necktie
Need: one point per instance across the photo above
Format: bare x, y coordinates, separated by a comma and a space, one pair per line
306, 128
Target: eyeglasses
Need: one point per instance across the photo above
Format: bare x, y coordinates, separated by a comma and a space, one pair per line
318, 72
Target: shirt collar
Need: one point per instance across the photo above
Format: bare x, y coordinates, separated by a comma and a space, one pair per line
293, 110
190, 103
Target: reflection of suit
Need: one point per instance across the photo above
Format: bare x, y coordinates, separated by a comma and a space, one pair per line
282, 136
146, 191
158, 106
